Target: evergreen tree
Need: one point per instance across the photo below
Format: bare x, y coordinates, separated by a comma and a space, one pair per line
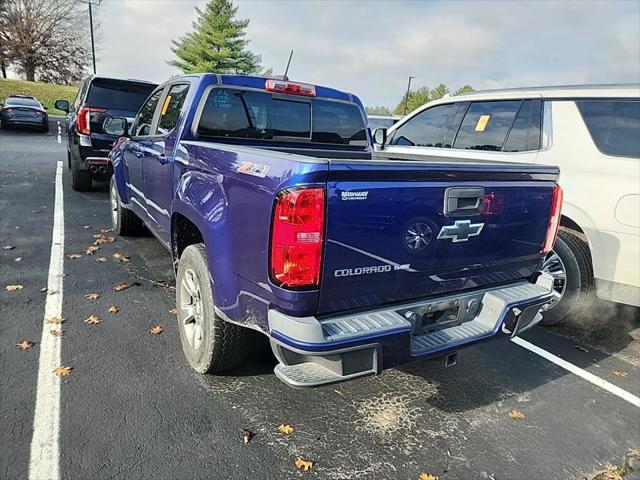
381, 110
217, 43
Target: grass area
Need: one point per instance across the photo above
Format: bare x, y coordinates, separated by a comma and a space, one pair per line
47, 93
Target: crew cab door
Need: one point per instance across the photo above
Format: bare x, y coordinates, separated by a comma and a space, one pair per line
157, 166
134, 152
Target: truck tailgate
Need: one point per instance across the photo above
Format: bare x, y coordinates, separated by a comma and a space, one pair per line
401, 230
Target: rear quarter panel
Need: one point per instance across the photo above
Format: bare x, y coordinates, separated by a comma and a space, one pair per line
233, 212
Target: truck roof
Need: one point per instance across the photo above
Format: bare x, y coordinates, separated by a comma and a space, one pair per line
255, 82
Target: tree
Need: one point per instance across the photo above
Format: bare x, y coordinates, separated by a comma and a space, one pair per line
44, 38
378, 110
416, 99
216, 44
465, 89
438, 92
423, 95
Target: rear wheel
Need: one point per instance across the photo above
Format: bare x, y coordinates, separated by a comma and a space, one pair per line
210, 344
125, 223
80, 179
572, 270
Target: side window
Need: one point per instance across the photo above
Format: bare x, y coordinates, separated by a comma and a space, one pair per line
486, 124
426, 129
525, 133
171, 108
82, 90
614, 125
144, 121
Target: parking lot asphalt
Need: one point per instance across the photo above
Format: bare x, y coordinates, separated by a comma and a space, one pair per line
133, 409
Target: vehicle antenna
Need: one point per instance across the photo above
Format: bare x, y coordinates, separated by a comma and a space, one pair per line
284, 77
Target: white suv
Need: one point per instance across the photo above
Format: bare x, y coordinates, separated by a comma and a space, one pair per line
592, 133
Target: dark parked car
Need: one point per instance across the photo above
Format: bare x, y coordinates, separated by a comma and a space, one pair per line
88, 145
23, 111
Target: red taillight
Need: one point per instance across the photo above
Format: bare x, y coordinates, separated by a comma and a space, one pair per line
554, 220
297, 237
84, 119
294, 88
8, 110
493, 204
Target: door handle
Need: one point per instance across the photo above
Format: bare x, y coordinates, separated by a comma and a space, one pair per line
463, 201
162, 158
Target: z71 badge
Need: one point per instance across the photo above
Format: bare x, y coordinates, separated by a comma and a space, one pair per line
252, 168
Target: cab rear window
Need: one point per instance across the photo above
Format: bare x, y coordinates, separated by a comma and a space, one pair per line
614, 125
251, 115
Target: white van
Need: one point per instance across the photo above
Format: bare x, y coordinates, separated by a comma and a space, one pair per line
593, 134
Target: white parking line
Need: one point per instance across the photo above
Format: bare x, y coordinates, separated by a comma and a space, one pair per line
589, 377
59, 133
45, 454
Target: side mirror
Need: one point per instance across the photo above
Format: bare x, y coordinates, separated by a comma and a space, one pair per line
380, 137
62, 105
116, 126
46, 108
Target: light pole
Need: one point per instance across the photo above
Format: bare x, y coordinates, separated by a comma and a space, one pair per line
93, 48
406, 99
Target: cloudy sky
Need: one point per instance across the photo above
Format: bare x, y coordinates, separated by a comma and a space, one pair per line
371, 47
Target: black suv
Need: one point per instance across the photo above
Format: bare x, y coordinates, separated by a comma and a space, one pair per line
88, 145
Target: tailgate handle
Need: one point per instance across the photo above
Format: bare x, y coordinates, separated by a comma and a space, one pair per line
463, 201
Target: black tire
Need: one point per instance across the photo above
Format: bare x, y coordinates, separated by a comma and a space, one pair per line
125, 223
45, 128
69, 159
80, 179
579, 291
213, 345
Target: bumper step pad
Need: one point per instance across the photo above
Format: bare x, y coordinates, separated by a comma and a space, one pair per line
306, 374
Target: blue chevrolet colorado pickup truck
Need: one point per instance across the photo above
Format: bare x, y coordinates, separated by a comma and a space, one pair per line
279, 220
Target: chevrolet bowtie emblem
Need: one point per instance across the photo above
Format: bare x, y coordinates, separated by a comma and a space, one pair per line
460, 231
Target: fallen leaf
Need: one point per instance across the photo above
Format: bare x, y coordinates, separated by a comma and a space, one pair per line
74, 255
122, 258
91, 250
120, 286
173, 311
8, 247
98, 235
43, 289
113, 309
427, 476
106, 230
25, 345
63, 371
582, 349
516, 414
92, 320
99, 241
303, 464
51, 292
36, 211
156, 330
246, 436
87, 227
57, 333
101, 259
610, 472
620, 373
17, 259
55, 321
285, 428
92, 296
13, 288
110, 239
